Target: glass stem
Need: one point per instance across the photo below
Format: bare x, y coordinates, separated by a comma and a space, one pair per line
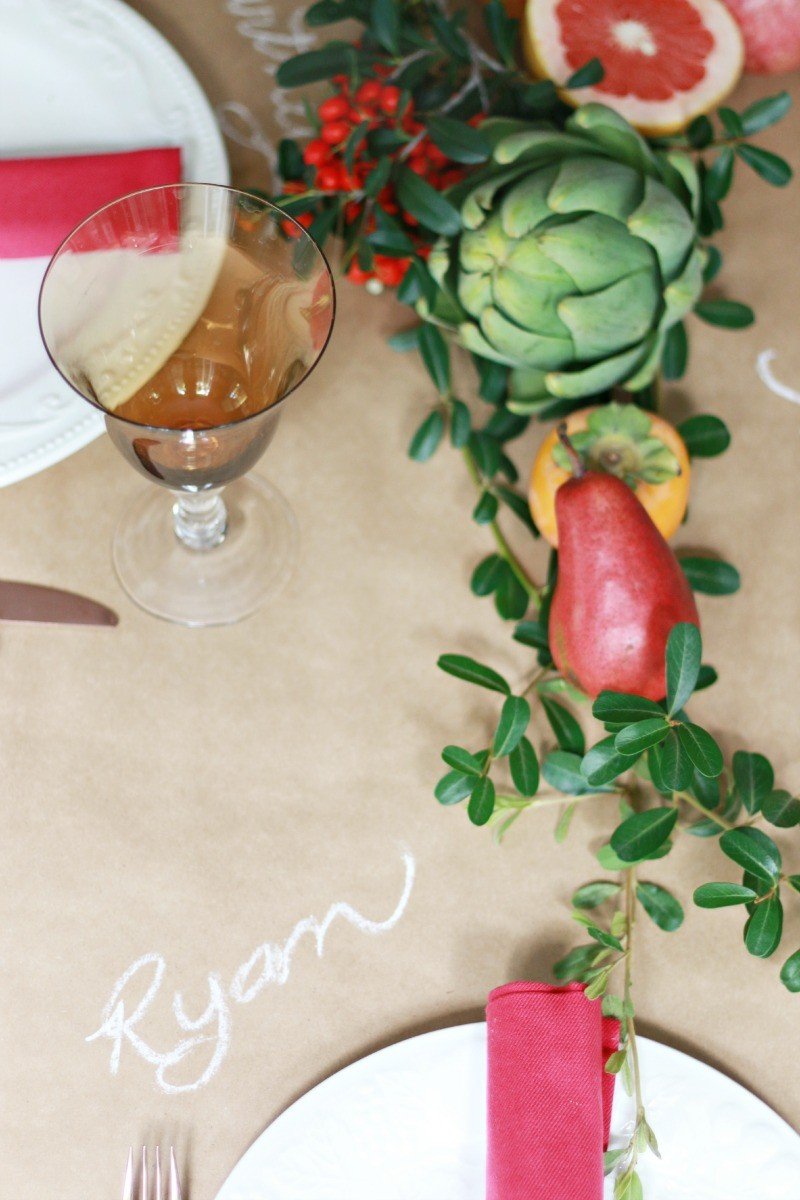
200, 518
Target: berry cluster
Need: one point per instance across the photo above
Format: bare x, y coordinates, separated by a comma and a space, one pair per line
374, 104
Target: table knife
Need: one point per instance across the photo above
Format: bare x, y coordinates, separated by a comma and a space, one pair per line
34, 602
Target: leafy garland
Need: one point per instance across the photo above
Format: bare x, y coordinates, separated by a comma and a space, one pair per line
395, 140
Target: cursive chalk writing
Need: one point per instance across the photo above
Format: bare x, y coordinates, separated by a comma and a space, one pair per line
259, 24
765, 374
269, 963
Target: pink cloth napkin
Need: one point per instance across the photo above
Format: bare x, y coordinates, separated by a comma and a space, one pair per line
43, 199
549, 1097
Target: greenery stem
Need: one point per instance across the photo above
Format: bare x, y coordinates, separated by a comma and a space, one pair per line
712, 816
504, 549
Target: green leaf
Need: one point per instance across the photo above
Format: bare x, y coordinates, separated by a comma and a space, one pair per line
753, 779
603, 763
763, 113
701, 748
633, 739
624, 708
731, 121
569, 734
722, 895
604, 938
524, 768
511, 600
335, 59
586, 76
502, 30
574, 965
385, 23
707, 677
628, 1186
762, 933
790, 972
782, 809
461, 760
794, 882
614, 1064
643, 833
684, 652
514, 718
436, 357
700, 132
711, 576
473, 672
754, 851
705, 436
481, 802
453, 787
674, 763
564, 821
713, 263
676, 352
460, 423
562, 770
425, 441
661, 906
518, 506
532, 633
719, 176
771, 167
459, 141
431, 208
592, 895
290, 160
729, 314
488, 574
486, 509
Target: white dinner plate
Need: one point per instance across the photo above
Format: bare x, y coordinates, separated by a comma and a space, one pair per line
78, 76
408, 1123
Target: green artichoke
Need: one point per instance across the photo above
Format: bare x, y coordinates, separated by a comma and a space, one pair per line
578, 253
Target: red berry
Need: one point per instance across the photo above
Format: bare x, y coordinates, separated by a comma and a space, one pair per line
335, 132
420, 166
410, 219
289, 228
352, 211
390, 271
333, 108
357, 274
294, 187
390, 99
382, 69
329, 177
369, 92
342, 82
437, 156
316, 152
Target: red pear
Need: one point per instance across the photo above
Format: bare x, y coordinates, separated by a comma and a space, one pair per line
619, 591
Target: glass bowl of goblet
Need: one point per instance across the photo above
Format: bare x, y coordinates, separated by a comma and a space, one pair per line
188, 314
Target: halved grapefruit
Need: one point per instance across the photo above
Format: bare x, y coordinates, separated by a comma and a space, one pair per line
665, 61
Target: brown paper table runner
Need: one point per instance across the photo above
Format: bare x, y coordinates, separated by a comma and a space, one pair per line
191, 796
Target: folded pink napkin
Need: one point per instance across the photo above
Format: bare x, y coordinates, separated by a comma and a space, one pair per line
549, 1097
42, 199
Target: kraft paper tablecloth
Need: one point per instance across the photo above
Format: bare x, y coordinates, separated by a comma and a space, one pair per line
195, 794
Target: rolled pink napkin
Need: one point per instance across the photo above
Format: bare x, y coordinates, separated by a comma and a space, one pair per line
43, 199
549, 1096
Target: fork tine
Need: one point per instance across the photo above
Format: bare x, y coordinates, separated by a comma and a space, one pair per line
143, 1181
158, 1194
127, 1187
174, 1182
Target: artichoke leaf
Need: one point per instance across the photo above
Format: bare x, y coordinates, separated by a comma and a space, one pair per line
473, 340
596, 185
596, 250
614, 135
478, 199
527, 384
665, 223
439, 260
539, 146
525, 205
522, 347
645, 372
475, 291
532, 304
607, 321
682, 294
481, 249
586, 381
684, 167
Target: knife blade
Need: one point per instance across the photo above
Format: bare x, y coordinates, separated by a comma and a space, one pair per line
35, 602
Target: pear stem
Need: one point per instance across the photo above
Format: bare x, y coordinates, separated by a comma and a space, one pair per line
578, 469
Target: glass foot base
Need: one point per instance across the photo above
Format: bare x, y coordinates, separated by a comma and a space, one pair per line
214, 586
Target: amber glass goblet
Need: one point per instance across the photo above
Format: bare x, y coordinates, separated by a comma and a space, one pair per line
188, 314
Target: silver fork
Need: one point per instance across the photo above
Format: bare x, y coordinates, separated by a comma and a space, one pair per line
174, 1187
